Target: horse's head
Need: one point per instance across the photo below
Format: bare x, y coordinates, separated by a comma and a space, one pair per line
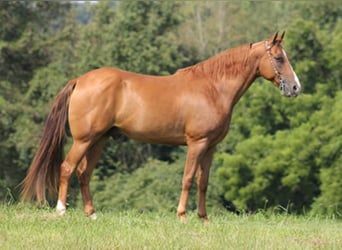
276, 67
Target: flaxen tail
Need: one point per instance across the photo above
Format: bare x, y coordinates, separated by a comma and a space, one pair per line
44, 171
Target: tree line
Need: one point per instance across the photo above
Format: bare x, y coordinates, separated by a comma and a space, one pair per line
280, 154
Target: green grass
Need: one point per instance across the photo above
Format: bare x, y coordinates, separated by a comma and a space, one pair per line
27, 228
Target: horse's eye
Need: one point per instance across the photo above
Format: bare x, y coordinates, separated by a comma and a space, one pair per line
279, 59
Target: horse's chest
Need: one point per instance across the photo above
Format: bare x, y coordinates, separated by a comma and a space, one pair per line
218, 132
212, 125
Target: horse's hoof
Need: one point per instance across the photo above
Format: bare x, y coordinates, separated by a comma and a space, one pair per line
204, 218
182, 218
60, 209
93, 216
206, 221
60, 212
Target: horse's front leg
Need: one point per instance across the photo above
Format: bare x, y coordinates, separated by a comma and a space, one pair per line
194, 154
202, 182
84, 172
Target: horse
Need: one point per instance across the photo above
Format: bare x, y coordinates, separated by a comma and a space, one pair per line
191, 107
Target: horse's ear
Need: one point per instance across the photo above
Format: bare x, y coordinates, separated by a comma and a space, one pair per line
282, 36
274, 38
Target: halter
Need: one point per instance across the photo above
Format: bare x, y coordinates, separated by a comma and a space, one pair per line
281, 81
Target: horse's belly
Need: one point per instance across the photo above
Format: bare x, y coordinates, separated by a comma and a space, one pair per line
153, 128
152, 119
158, 136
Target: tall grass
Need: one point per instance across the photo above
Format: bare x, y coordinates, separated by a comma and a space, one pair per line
22, 227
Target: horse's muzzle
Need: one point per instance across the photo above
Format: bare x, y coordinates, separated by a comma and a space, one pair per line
290, 89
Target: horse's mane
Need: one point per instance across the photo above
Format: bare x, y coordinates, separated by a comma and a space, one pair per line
228, 63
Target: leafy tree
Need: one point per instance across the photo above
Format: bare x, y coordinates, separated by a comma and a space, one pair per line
24, 48
314, 37
329, 157
333, 56
144, 32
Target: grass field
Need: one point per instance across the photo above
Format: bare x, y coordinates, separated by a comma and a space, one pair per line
27, 228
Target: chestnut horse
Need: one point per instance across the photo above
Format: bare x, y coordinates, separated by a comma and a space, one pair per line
192, 107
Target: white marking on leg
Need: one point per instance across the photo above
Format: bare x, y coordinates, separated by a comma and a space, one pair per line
61, 209
93, 216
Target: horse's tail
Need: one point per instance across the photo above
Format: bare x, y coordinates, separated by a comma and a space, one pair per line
44, 171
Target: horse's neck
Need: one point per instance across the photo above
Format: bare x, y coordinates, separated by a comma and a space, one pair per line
232, 71
239, 86
234, 86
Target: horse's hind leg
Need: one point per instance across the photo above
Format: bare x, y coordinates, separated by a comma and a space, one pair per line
73, 158
84, 172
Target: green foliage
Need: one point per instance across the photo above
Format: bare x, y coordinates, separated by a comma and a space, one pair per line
155, 186
330, 158
14, 20
143, 38
136, 36
315, 43
8, 173
24, 50
308, 61
333, 56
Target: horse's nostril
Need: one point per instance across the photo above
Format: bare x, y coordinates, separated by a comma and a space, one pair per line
295, 88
